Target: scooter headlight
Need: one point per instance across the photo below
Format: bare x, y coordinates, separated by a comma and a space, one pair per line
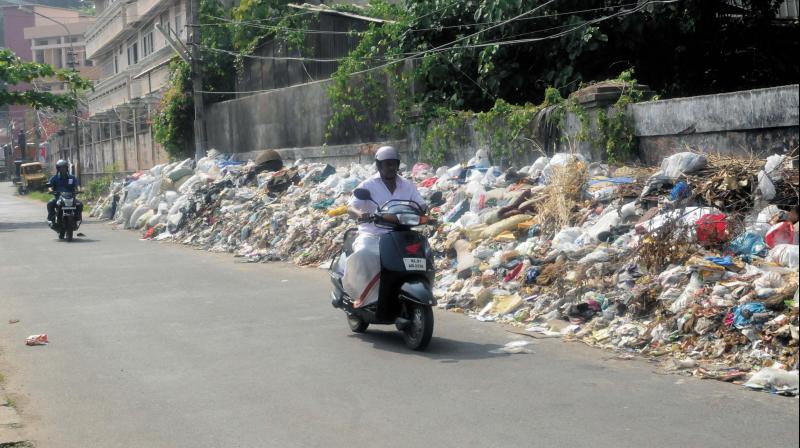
408, 219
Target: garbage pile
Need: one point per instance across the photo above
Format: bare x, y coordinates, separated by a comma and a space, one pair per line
694, 264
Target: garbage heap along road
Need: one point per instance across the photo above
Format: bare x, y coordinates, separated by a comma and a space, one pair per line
693, 264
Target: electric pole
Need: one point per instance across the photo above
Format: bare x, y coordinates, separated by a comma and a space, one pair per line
193, 6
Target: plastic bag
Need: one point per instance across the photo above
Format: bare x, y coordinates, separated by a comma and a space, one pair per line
481, 159
773, 165
779, 380
558, 160
765, 186
712, 229
609, 219
787, 255
599, 255
455, 171
538, 166
781, 233
686, 297
683, 163
742, 314
421, 171
749, 244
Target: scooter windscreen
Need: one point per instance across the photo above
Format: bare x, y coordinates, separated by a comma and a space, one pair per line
404, 213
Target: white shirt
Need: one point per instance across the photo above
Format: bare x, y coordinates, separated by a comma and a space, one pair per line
404, 191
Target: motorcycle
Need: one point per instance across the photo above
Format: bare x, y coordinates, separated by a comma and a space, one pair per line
66, 222
405, 297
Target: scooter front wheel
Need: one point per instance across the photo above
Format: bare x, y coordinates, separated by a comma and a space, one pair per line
357, 324
418, 333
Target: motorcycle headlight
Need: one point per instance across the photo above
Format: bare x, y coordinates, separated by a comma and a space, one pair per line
408, 219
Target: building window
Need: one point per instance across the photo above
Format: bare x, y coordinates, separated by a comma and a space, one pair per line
58, 59
147, 40
133, 52
179, 25
74, 39
116, 64
164, 20
40, 56
40, 42
88, 63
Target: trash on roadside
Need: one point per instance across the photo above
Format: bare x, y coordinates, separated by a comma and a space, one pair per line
690, 262
37, 339
514, 348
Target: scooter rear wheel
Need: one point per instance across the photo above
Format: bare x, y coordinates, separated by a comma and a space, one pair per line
357, 324
418, 334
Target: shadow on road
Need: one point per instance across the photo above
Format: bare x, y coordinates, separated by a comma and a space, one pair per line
440, 349
11, 226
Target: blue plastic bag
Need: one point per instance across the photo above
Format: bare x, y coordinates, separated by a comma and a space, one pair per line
742, 314
681, 190
748, 245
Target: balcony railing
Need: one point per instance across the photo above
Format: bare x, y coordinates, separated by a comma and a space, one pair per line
109, 24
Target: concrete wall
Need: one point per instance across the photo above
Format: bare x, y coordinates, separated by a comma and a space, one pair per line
762, 121
293, 117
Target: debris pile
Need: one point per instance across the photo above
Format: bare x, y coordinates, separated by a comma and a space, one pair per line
694, 264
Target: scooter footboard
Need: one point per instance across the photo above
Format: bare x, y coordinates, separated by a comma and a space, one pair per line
418, 291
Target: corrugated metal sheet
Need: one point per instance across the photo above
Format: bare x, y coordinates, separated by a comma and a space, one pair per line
789, 9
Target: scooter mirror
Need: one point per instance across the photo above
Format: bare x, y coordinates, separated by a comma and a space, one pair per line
362, 194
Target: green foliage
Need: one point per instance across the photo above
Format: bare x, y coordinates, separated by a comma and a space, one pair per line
613, 130
172, 123
447, 130
501, 129
13, 70
100, 186
703, 49
257, 21
174, 117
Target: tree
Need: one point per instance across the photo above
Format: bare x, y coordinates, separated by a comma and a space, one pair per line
14, 70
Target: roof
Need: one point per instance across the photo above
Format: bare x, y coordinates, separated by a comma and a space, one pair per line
328, 10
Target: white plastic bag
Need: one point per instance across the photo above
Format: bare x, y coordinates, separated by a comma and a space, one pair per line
765, 186
761, 225
682, 163
787, 255
560, 159
687, 296
770, 377
537, 167
773, 165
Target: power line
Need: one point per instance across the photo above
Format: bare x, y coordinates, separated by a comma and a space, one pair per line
449, 46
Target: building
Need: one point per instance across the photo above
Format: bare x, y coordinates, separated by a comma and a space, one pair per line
48, 35
60, 43
132, 57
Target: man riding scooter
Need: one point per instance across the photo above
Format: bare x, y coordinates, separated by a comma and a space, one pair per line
363, 266
62, 182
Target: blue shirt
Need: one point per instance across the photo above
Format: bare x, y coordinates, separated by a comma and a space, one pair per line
66, 184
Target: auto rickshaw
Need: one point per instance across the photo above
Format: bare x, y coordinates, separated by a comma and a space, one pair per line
32, 178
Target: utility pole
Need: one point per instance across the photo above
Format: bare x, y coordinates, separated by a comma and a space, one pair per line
71, 56
193, 7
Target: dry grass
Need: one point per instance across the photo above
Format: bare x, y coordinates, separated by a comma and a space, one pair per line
561, 198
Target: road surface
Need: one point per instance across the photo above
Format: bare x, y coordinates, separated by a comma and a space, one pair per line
157, 345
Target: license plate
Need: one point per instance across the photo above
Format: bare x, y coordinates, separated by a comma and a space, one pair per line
415, 264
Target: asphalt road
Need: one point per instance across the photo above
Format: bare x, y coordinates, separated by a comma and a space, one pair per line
157, 345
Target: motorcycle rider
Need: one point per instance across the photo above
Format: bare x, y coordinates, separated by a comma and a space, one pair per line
62, 182
362, 269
